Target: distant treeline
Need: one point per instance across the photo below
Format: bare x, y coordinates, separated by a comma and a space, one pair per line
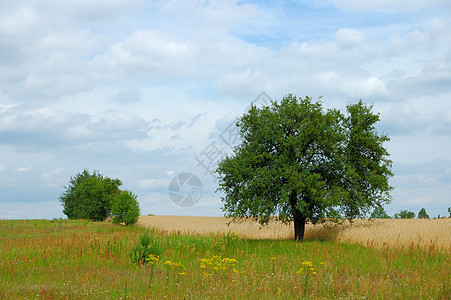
380, 213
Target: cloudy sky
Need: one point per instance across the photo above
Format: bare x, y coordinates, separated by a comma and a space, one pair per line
146, 90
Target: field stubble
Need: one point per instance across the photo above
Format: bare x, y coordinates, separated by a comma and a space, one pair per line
427, 234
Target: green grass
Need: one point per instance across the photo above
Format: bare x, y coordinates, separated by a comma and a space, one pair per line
63, 259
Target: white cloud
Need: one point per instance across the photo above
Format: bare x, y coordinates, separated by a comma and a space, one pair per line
207, 18
348, 38
326, 67
178, 137
127, 96
19, 21
154, 184
5, 107
52, 130
24, 169
52, 178
390, 6
85, 9
42, 59
146, 184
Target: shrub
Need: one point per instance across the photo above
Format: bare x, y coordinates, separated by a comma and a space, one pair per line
142, 251
125, 208
89, 196
422, 214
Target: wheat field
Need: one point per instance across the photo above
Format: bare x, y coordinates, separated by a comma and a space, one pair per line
430, 234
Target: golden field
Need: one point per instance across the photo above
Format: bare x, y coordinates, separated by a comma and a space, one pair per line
430, 234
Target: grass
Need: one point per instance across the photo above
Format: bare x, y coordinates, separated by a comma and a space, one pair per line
63, 259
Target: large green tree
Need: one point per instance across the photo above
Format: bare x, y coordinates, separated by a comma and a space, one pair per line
89, 196
301, 163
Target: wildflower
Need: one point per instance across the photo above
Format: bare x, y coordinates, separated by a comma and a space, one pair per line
273, 258
218, 264
308, 268
174, 265
307, 263
152, 258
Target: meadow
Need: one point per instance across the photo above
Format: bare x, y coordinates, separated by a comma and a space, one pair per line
61, 259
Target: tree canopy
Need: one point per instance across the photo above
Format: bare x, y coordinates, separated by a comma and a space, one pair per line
422, 214
405, 214
379, 213
300, 163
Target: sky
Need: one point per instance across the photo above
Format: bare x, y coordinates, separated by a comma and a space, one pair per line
148, 91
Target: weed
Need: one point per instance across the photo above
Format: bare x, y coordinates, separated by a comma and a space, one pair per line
146, 248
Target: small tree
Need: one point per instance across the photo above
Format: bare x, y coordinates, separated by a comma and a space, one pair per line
89, 196
449, 211
422, 214
379, 213
125, 208
405, 214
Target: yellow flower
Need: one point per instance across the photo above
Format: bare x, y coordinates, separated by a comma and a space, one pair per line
307, 263
301, 271
217, 263
182, 273
174, 265
152, 258
273, 258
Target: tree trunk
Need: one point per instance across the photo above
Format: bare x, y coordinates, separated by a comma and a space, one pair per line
299, 228
298, 218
